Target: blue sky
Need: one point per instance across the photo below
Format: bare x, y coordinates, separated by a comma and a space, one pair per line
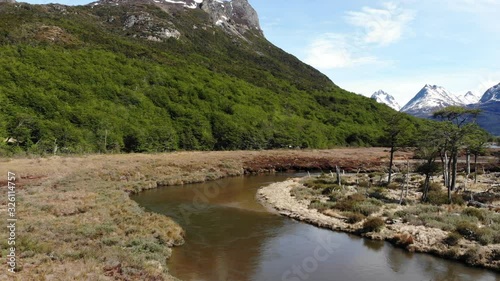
398, 46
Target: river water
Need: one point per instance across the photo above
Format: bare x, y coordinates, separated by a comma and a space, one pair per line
229, 236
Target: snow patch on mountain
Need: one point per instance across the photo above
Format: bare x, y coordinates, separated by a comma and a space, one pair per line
491, 95
384, 98
469, 98
430, 99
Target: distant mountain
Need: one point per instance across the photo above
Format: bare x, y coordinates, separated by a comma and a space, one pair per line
430, 99
491, 95
384, 98
469, 98
489, 118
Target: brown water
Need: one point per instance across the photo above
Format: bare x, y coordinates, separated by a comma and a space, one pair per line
232, 237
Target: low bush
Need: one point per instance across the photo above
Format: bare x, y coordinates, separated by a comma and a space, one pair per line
401, 213
413, 220
403, 239
472, 256
394, 186
302, 193
437, 198
353, 218
441, 198
348, 204
329, 189
433, 187
378, 193
485, 236
467, 229
373, 224
452, 239
366, 208
475, 212
321, 206
451, 253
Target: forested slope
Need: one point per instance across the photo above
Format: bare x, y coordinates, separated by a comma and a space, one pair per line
78, 78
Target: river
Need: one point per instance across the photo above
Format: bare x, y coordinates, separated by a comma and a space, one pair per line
230, 236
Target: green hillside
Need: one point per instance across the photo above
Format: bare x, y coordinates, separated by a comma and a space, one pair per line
76, 78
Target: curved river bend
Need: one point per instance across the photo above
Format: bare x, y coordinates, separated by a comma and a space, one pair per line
232, 237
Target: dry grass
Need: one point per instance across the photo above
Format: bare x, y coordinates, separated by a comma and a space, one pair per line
76, 221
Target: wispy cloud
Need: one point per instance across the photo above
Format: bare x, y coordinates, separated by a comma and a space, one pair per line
336, 51
384, 25
380, 27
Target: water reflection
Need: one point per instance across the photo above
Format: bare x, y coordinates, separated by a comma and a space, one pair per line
231, 237
372, 244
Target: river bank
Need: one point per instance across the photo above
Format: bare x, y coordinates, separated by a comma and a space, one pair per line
75, 219
412, 238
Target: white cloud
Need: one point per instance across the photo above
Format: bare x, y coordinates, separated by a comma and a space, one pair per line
336, 51
381, 26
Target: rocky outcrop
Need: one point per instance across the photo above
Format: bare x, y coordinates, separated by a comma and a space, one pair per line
7, 1
236, 17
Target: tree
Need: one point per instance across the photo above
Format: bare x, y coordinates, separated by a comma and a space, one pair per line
475, 143
428, 148
398, 133
458, 123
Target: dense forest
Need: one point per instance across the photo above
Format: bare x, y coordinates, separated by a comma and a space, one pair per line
74, 80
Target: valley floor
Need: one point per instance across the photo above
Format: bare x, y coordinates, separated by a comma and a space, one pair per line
75, 220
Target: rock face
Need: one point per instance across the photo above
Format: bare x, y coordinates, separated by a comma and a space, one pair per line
233, 16
235, 12
7, 1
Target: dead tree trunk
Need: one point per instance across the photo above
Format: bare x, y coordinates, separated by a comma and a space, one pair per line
339, 180
444, 163
475, 168
407, 177
453, 174
391, 160
467, 160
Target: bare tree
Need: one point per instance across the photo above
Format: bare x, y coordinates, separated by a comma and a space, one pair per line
458, 123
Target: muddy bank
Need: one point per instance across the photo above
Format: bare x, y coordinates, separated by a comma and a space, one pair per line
412, 238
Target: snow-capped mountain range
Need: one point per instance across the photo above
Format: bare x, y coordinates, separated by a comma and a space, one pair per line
383, 97
431, 98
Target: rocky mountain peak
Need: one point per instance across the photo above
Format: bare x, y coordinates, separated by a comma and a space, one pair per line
234, 16
382, 97
238, 13
429, 99
492, 94
469, 98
